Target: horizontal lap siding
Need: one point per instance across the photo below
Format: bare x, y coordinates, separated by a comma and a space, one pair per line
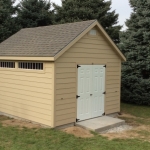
112, 98
87, 50
27, 94
65, 93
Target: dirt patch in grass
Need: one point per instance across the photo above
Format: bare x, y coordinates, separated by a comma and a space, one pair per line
20, 123
122, 135
78, 132
130, 119
139, 131
143, 127
3, 118
127, 116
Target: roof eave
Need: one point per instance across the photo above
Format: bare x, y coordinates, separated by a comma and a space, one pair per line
11, 58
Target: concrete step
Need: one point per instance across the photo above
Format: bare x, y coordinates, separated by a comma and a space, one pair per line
100, 124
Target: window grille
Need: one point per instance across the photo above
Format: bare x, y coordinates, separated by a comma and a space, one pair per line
30, 65
6, 64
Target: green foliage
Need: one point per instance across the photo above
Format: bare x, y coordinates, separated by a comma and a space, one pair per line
78, 10
8, 24
135, 44
34, 13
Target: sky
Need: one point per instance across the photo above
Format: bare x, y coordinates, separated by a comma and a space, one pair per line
122, 8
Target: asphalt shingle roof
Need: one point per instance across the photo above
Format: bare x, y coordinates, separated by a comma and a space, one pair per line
44, 41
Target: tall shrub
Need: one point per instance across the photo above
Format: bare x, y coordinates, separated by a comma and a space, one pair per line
135, 44
8, 22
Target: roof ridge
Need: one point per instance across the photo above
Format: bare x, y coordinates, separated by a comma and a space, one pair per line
61, 24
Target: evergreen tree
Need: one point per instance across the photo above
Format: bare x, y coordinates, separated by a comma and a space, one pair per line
8, 25
78, 10
135, 44
34, 13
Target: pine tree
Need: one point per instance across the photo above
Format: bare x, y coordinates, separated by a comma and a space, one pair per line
8, 24
135, 44
78, 10
34, 13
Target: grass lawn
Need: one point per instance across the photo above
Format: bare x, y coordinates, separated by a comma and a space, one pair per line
141, 113
14, 138
138, 111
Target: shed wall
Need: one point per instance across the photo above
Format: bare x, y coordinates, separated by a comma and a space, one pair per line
88, 50
27, 94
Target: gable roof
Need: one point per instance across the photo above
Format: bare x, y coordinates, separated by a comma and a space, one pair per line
48, 41
42, 41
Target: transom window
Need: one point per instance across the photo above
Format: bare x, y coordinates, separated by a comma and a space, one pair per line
6, 64
30, 65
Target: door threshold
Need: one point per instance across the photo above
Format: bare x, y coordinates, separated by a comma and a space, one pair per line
90, 118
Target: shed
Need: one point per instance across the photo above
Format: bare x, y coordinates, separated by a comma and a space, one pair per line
55, 75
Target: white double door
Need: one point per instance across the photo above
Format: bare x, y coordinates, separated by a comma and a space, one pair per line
91, 82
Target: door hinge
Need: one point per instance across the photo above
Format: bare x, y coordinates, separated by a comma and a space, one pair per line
104, 66
78, 66
104, 92
77, 96
77, 120
103, 114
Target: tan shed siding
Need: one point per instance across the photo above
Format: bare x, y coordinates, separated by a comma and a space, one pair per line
113, 88
88, 50
65, 93
27, 93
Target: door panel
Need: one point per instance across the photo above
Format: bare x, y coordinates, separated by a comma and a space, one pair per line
84, 89
98, 96
91, 80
